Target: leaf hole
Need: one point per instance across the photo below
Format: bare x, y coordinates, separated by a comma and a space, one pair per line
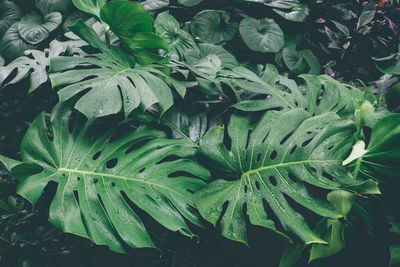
258, 156
272, 180
293, 149
257, 185
330, 148
314, 169
248, 138
113, 184
95, 180
111, 163
328, 176
78, 178
292, 177
286, 137
306, 142
245, 189
137, 145
168, 158
273, 154
97, 155
142, 170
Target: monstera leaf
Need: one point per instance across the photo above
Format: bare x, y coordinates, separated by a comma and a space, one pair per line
178, 40
134, 26
268, 165
50, 6
35, 29
12, 45
35, 65
262, 35
323, 94
90, 6
100, 177
213, 26
9, 14
113, 80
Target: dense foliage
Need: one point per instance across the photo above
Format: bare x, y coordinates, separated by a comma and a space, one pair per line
199, 133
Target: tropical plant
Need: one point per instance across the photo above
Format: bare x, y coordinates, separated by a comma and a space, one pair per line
188, 128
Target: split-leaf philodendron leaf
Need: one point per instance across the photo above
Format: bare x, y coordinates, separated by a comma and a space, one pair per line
269, 163
98, 176
323, 94
114, 81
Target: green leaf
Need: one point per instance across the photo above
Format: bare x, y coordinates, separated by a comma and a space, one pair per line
9, 14
323, 94
111, 78
297, 14
151, 5
178, 40
99, 175
12, 45
299, 62
134, 26
367, 14
50, 6
206, 53
33, 28
262, 35
8, 163
342, 200
269, 163
189, 3
394, 256
191, 126
90, 6
213, 26
381, 160
335, 239
35, 66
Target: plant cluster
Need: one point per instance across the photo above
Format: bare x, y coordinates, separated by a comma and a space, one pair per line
188, 128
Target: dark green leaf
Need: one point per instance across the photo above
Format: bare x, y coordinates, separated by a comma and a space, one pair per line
112, 80
12, 45
50, 6
90, 6
268, 163
262, 35
367, 14
178, 40
9, 14
96, 176
33, 28
213, 26
298, 13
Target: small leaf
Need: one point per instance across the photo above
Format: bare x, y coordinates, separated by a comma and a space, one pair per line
213, 26
262, 35
367, 15
90, 6
9, 14
297, 14
34, 29
12, 45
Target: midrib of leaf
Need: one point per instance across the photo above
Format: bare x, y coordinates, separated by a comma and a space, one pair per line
282, 165
124, 178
